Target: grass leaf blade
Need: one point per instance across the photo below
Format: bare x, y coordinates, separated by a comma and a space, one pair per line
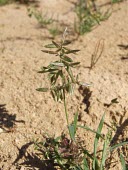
89, 129
57, 45
72, 131
49, 52
104, 154
96, 141
50, 46
85, 164
122, 162
118, 145
42, 89
72, 51
73, 127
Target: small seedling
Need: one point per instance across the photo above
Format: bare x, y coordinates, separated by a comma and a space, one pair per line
43, 20
54, 31
46, 22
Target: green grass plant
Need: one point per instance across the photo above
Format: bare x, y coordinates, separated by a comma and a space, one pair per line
42, 19
88, 16
60, 74
46, 22
68, 152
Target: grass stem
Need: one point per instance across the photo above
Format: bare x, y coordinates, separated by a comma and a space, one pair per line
65, 108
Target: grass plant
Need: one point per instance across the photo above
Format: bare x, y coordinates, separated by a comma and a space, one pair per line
88, 16
63, 152
43, 20
60, 74
46, 22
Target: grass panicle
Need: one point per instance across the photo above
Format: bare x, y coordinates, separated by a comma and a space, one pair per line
97, 53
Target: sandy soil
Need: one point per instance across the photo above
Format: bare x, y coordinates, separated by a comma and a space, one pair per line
26, 114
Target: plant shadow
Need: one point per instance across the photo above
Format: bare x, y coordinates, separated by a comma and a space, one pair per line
124, 47
7, 120
119, 131
86, 93
32, 160
29, 2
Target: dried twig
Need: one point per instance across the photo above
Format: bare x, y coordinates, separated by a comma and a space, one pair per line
97, 53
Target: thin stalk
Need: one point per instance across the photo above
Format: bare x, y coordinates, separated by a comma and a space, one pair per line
66, 113
65, 108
